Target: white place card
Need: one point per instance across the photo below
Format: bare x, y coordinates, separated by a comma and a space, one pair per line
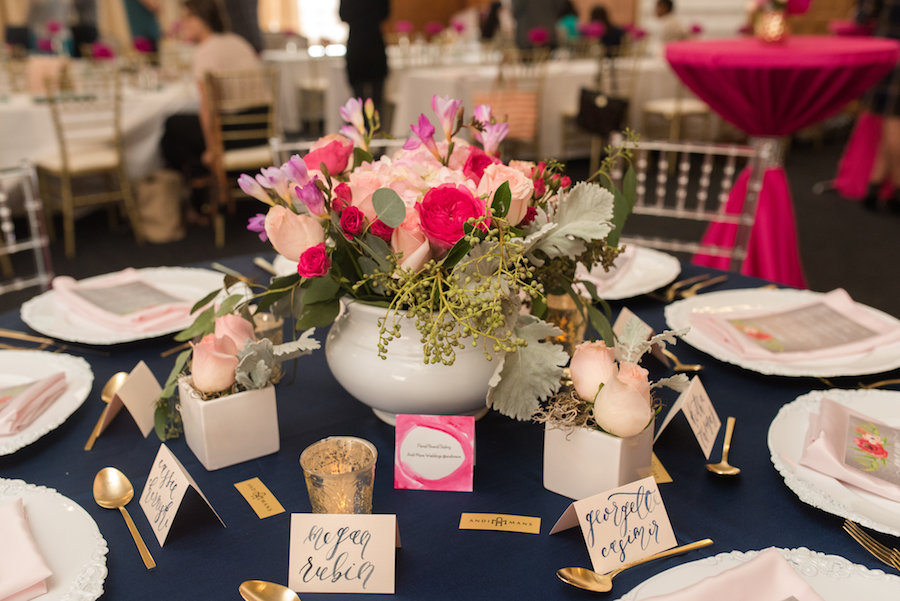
621, 525
697, 407
342, 553
167, 484
139, 394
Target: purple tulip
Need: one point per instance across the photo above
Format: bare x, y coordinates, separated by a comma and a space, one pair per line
257, 224
482, 113
295, 170
311, 197
352, 113
445, 109
252, 188
492, 135
274, 179
424, 134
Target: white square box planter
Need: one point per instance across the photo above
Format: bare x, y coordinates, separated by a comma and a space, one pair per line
583, 462
230, 429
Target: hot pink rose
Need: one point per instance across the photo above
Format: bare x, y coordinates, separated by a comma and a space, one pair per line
314, 262
444, 210
236, 328
381, 230
592, 365
334, 152
530, 214
520, 187
353, 222
411, 245
342, 197
476, 163
214, 362
540, 187
291, 234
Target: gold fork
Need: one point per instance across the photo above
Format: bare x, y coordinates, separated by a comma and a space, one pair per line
693, 290
671, 291
677, 365
883, 553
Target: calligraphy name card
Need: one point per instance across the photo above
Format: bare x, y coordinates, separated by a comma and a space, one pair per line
342, 553
167, 484
621, 525
697, 407
434, 452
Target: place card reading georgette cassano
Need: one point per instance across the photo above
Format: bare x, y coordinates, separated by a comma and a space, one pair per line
621, 525
342, 553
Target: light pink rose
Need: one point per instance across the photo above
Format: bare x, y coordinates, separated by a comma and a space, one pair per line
526, 167
635, 376
521, 189
291, 234
363, 184
214, 362
621, 409
593, 364
410, 242
235, 327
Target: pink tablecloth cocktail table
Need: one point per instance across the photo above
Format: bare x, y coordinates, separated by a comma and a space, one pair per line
770, 91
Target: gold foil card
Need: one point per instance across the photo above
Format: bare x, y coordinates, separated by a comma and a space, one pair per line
259, 497
500, 522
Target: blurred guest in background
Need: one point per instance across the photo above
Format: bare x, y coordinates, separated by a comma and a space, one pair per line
186, 136
490, 23
612, 36
84, 25
243, 17
531, 14
672, 29
366, 56
143, 23
884, 99
567, 23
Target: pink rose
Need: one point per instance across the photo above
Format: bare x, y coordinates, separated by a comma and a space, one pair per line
635, 376
214, 362
565, 182
530, 214
353, 222
621, 409
592, 365
314, 262
444, 210
411, 245
520, 187
540, 187
362, 185
291, 234
236, 328
381, 230
334, 152
476, 163
526, 167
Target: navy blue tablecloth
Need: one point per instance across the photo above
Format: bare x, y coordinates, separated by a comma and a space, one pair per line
437, 560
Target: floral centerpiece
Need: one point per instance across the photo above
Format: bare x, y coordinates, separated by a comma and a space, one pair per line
768, 18
442, 234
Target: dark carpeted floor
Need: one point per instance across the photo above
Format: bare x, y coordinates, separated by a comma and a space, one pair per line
842, 244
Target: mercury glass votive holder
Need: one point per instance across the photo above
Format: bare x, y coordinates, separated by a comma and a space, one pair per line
339, 473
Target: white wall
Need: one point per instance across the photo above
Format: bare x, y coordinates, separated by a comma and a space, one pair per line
719, 18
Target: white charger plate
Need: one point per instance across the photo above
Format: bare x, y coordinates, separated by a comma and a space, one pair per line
831, 576
45, 314
882, 359
649, 270
67, 537
786, 435
284, 266
19, 367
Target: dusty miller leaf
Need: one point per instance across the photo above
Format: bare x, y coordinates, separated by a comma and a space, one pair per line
678, 383
304, 345
255, 364
583, 214
531, 373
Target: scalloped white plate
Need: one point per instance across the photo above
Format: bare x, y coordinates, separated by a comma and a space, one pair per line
649, 270
46, 315
68, 538
18, 367
284, 266
882, 359
831, 576
786, 434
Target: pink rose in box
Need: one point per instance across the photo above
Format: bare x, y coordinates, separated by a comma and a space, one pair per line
236, 328
213, 364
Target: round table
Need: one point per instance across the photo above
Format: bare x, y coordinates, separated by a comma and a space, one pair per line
769, 91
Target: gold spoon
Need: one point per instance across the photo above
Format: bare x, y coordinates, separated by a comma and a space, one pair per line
590, 580
112, 490
261, 590
677, 365
109, 391
693, 290
723, 468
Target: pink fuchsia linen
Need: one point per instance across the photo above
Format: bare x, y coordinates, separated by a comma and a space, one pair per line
23, 570
848, 27
766, 576
852, 180
776, 89
826, 443
772, 252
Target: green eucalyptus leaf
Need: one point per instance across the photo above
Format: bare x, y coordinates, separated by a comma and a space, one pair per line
601, 324
389, 207
161, 421
320, 289
229, 304
623, 204
456, 254
502, 200
172, 381
203, 325
204, 301
361, 156
318, 315
270, 298
284, 281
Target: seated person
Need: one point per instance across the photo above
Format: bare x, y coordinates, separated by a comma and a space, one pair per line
612, 35
186, 137
672, 28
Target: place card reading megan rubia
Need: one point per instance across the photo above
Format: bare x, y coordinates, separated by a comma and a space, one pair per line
621, 525
138, 394
697, 407
167, 485
342, 553
434, 452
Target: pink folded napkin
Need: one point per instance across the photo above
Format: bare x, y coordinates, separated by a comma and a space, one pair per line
830, 326
854, 448
21, 405
122, 300
606, 280
766, 577
23, 571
